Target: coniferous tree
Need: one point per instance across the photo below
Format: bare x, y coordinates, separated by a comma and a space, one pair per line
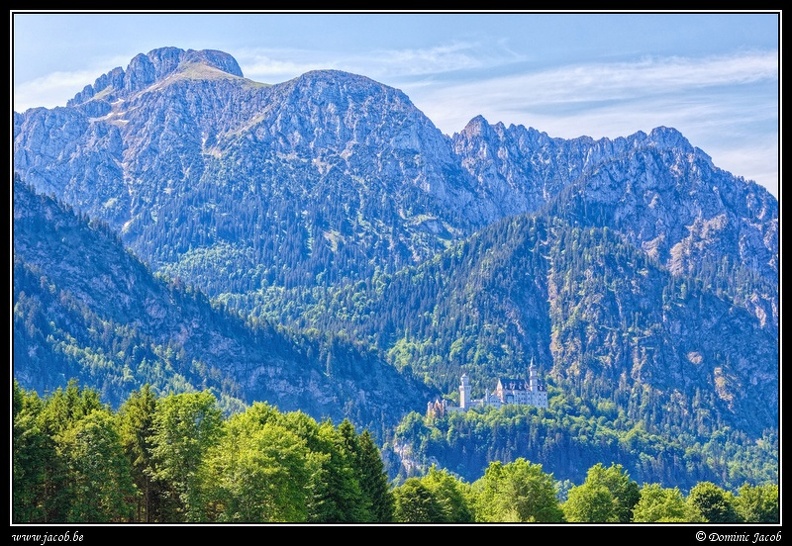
373, 479
338, 497
34, 458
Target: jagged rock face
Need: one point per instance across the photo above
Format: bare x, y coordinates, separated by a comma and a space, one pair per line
182, 129
664, 191
517, 169
657, 190
146, 70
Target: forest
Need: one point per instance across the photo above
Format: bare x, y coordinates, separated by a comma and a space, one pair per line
179, 458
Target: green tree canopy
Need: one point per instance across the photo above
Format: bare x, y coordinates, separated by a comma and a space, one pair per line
607, 495
373, 478
100, 479
517, 491
758, 503
185, 426
257, 473
415, 503
35, 460
136, 423
715, 504
659, 504
452, 495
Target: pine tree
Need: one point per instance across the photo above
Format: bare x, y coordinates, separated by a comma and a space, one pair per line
373, 479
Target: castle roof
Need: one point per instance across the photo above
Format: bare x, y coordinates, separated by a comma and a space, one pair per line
513, 384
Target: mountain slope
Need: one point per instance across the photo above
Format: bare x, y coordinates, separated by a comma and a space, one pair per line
86, 308
351, 167
599, 317
663, 194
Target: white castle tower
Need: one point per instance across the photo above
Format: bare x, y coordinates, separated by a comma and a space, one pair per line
464, 393
533, 382
537, 390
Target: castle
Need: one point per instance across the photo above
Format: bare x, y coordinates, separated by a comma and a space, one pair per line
507, 392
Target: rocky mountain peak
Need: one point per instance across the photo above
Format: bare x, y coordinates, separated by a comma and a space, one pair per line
146, 69
663, 138
478, 126
324, 87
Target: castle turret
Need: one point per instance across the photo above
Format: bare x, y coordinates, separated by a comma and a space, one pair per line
464, 392
533, 382
538, 391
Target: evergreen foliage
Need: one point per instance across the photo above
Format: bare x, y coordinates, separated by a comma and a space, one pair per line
322, 246
573, 435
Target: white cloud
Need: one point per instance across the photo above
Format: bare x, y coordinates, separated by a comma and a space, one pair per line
430, 61
712, 101
608, 82
51, 90
275, 65
56, 88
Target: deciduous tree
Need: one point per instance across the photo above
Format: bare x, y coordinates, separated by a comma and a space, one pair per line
517, 491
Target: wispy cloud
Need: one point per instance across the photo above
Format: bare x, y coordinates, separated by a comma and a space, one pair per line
56, 88
648, 76
705, 98
274, 65
595, 83
50, 90
438, 60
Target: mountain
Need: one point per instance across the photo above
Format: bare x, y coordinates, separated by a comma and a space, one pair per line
633, 270
598, 316
353, 173
322, 173
86, 308
663, 194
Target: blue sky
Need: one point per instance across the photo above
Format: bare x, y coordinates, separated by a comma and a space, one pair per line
713, 76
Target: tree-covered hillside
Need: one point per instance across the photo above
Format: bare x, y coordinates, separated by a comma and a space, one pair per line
86, 308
